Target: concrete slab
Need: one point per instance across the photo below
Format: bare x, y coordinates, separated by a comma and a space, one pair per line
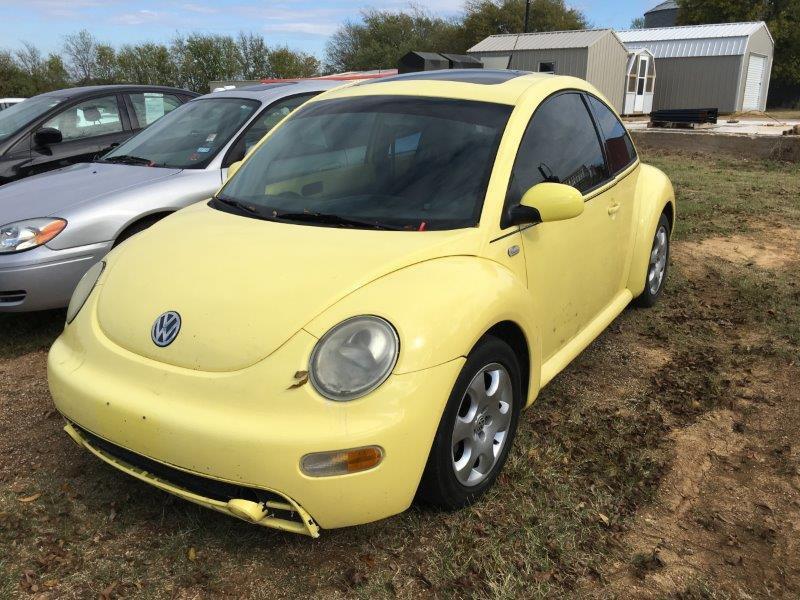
766, 127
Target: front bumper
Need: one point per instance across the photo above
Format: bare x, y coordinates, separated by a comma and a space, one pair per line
269, 509
42, 278
246, 427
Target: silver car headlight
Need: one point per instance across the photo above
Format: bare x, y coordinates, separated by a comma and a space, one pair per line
354, 358
82, 291
24, 235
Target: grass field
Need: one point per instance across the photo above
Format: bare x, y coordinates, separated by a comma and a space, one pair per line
663, 463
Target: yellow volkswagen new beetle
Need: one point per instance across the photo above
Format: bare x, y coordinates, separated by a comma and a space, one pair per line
359, 315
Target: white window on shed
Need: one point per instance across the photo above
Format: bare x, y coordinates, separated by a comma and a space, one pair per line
754, 83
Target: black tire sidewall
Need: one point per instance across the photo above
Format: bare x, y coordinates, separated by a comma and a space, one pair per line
648, 299
439, 485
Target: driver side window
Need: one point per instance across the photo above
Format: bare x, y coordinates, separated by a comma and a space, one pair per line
90, 118
560, 145
263, 124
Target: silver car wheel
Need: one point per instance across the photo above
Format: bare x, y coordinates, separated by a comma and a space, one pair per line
658, 261
482, 424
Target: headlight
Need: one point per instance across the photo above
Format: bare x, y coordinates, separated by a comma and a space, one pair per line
353, 358
24, 235
85, 287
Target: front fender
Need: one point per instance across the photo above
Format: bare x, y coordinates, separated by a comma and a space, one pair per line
441, 308
653, 193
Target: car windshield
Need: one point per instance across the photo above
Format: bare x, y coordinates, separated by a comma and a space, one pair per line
189, 137
389, 162
17, 116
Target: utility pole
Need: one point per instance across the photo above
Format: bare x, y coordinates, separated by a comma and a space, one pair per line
527, 15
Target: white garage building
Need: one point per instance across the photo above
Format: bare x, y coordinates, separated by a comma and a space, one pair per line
725, 66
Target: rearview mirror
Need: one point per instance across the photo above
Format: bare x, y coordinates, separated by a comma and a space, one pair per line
232, 169
548, 202
47, 136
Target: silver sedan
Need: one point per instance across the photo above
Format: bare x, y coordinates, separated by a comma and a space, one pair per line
54, 226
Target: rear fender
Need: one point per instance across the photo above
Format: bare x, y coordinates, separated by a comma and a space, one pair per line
654, 194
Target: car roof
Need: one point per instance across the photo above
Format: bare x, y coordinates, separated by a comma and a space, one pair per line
273, 91
501, 86
93, 89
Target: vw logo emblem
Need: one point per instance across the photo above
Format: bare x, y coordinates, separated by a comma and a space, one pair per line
166, 329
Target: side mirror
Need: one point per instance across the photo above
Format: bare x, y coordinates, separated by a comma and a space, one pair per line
233, 168
547, 202
47, 136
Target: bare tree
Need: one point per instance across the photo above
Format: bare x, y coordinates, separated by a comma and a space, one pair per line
29, 59
80, 51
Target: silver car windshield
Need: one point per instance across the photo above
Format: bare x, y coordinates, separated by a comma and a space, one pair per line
189, 137
17, 116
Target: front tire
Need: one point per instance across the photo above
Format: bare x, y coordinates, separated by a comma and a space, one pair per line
656, 266
477, 428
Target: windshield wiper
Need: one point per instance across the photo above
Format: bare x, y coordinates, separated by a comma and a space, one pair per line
247, 208
315, 217
128, 159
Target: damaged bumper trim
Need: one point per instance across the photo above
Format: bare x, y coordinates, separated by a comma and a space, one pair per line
264, 507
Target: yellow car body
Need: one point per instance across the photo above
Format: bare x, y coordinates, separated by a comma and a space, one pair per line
227, 401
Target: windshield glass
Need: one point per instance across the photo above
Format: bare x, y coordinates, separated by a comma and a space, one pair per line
17, 116
375, 161
189, 137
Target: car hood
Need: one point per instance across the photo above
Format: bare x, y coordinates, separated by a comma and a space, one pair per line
52, 193
243, 286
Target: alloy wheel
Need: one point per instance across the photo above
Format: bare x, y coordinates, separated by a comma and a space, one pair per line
482, 424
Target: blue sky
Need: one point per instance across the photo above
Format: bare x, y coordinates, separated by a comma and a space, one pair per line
299, 24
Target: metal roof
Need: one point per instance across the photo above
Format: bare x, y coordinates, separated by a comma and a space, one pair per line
668, 5
548, 40
726, 39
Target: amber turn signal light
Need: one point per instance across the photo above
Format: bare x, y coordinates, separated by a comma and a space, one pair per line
341, 462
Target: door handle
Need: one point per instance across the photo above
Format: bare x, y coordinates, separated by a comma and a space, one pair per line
613, 208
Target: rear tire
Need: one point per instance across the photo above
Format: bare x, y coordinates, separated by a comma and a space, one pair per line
477, 428
657, 266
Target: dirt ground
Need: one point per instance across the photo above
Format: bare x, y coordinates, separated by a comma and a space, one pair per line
663, 463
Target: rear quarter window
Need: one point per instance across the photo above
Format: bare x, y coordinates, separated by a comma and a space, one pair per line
619, 148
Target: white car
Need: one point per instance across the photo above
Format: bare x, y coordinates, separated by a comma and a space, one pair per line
8, 102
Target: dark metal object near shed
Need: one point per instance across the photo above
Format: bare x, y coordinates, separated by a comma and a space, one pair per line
695, 116
422, 61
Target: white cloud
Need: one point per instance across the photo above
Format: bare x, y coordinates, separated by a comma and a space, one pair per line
324, 29
199, 8
139, 17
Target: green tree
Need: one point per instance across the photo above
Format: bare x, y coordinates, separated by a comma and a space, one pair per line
13, 80
382, 37
148, 64
782, 18
637, 23
490, 17
253, 56
32, 74
105, 61
204, 58
54, 74
286, 64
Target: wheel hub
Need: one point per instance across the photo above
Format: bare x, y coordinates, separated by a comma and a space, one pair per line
482, 424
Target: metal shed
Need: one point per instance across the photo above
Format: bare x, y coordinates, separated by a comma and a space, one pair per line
596, 55
724, 66
422, 61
